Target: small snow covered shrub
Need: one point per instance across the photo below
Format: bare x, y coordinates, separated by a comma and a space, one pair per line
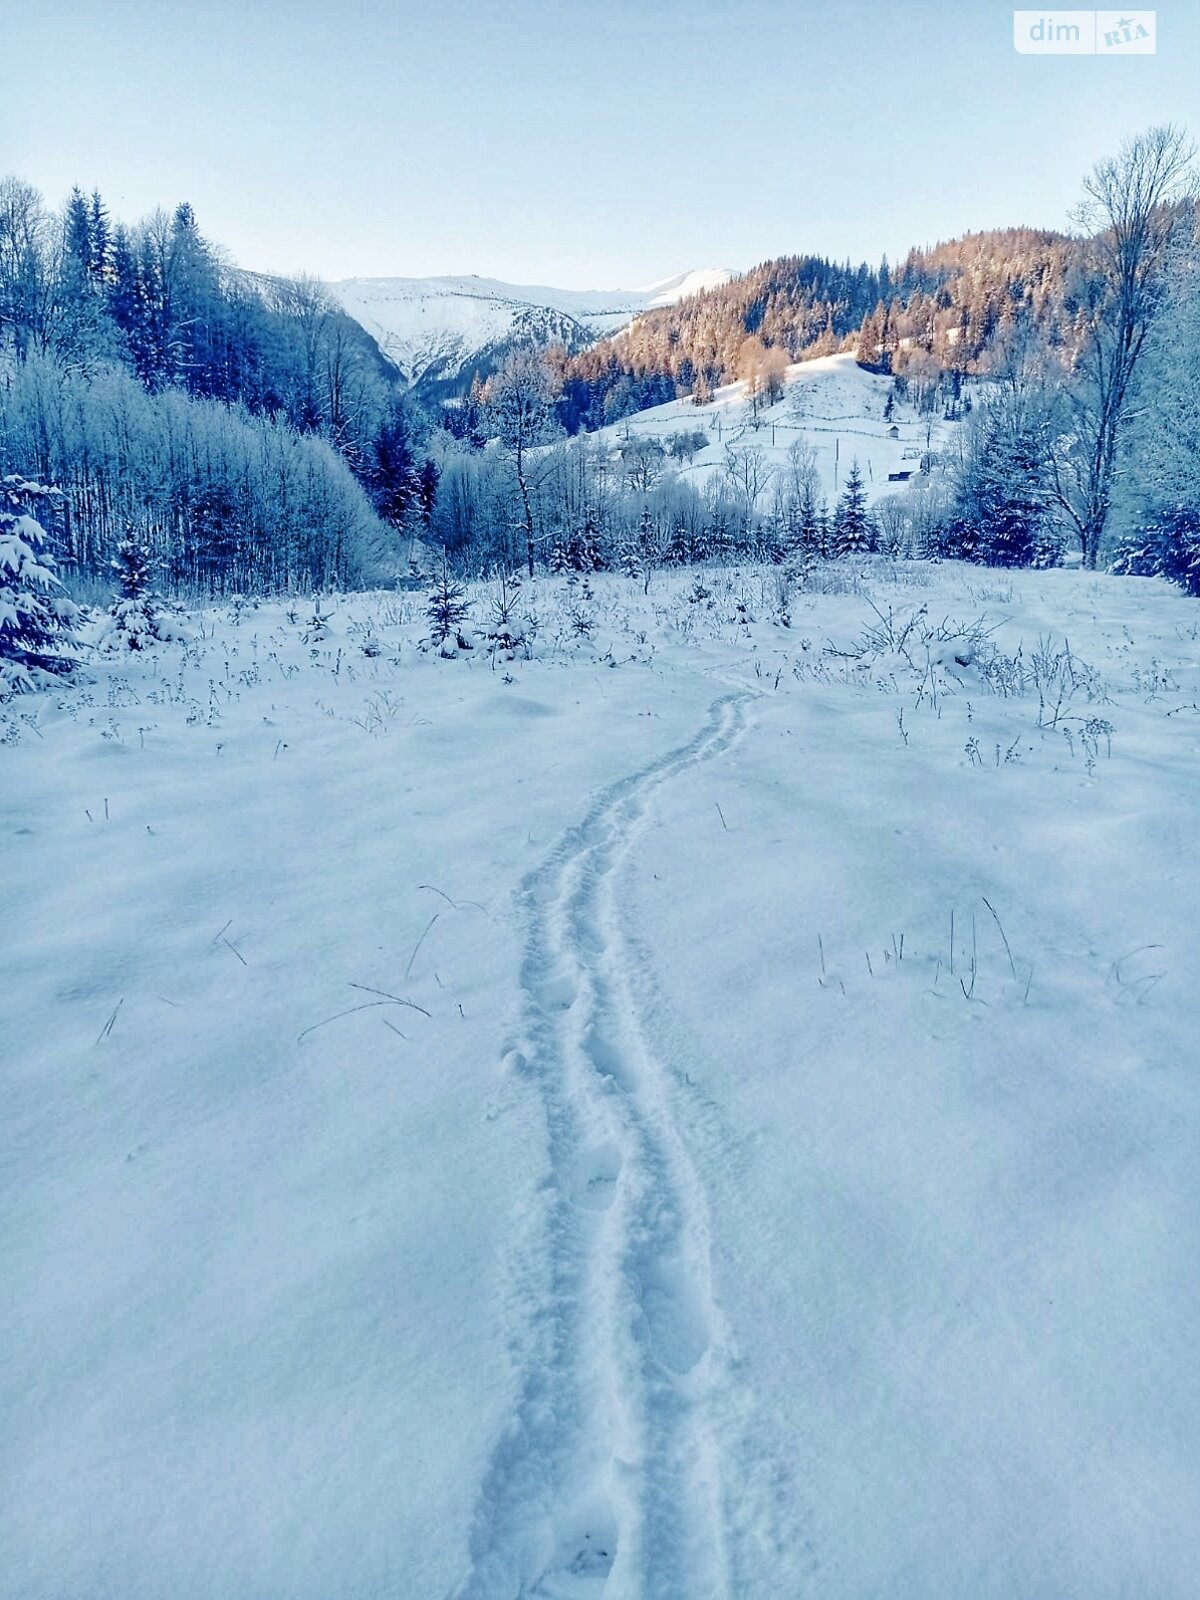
583, 548
37, 620
581, 613
136, 620
446, 611
511, 628
316, 629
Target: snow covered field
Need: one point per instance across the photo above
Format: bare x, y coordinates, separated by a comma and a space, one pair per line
709, 1111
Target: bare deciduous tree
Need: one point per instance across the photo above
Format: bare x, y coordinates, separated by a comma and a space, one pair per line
893, 516
774, 374
763, 370
520, 407
800, 473
642, 463
748, 470
26, 289
1129, 211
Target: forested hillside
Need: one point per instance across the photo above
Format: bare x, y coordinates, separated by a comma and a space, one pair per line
243, 426
949, 309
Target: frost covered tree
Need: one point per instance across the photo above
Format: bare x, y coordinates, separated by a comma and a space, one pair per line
583, 548
893, 525
1001, 513
37, 619
800, 476
748, 469
642, 462
447, 608
135, 617
1130, 211
393, 477
510, 628
519, 405
1161, 504
751, 369
775, 374
225, 498
852, 525
1164, 544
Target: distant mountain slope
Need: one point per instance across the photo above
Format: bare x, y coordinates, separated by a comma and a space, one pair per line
947, 309
440, 331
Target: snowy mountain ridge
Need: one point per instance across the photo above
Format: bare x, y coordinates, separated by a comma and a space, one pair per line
440, 330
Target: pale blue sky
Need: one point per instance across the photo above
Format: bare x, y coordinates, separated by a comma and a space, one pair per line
585, 145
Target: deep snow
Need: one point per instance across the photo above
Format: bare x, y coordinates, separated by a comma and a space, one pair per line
683, 1212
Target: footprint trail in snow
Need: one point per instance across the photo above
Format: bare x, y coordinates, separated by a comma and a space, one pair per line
607, 1480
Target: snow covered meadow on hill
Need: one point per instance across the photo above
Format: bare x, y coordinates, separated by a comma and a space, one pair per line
692, 1095
833, 407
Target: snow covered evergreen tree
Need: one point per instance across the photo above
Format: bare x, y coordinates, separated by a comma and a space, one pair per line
395, 484
811, 532
773, 539
37, 620
447, 610
83, 335
583, 548
135, 616
955, 539
1001, 512
101, 241
852, 525
1167, 545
